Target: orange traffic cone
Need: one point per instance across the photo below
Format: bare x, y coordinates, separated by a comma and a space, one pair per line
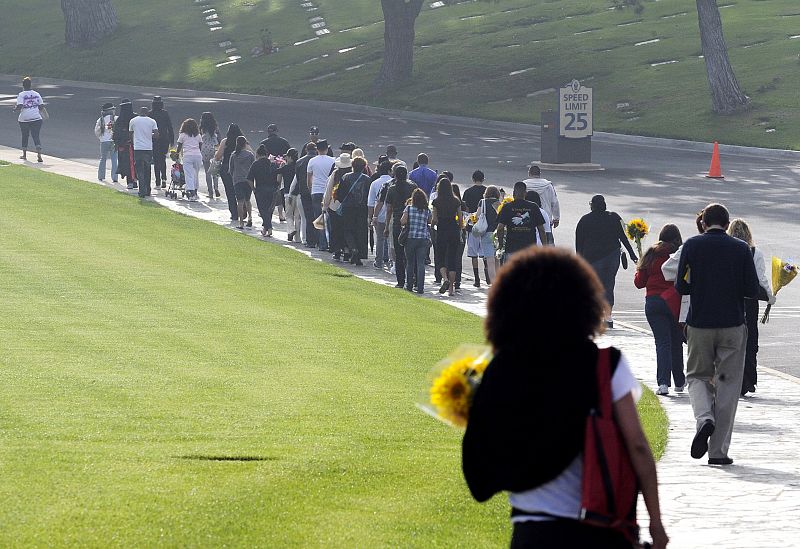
715, 171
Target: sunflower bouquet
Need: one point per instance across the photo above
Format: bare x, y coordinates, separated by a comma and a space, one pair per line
452, 384
503, 202
783, 272
637, 229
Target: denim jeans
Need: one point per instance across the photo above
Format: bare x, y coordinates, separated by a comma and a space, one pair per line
416, 252
31, 129
316, 210
669, 341
107, 149
211, 180
606, 269
143, 161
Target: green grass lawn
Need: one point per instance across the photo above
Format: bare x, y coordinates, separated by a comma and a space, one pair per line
465, 55
165, 381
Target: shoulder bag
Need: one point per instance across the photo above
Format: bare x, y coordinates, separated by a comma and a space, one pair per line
479, 229
43, 112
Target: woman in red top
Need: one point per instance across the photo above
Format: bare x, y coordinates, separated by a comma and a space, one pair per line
662, 306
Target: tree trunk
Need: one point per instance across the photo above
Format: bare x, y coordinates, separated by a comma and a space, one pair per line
398, 39
88, 21
726, 95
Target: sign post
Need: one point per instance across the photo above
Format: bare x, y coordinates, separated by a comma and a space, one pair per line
567, 133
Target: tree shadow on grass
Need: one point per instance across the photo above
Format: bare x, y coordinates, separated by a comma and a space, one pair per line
201, 457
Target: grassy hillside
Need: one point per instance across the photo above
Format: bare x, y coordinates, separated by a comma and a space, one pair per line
487, 59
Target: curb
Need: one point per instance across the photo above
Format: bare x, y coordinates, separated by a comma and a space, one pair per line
529, 130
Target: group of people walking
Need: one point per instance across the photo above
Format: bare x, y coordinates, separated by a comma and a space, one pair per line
338, 203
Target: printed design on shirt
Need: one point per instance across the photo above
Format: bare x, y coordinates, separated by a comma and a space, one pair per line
519, 220
30, 102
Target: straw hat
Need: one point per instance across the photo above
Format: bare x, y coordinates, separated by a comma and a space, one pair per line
343, 161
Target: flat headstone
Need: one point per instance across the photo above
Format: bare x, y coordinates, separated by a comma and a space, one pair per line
541, 92
323, 77
319, 25
659, 63
305, 41
322, 32
520, 71
225, 44
438, 4
354, 67
345, 50
352, 28
653, 41
231, 50
315, 19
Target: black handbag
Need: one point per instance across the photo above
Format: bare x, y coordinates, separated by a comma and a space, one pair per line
402, 238
623, 257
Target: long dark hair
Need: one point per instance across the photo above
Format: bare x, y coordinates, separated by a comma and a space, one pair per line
208, 124
230, 137
444, 193
669, 240
189, 127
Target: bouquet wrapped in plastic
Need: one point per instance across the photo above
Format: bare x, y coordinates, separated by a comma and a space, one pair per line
452, 383
783, 272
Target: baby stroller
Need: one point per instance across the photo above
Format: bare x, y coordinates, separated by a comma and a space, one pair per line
177, 182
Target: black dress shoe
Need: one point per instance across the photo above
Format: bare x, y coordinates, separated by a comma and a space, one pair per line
700, 441
720, 461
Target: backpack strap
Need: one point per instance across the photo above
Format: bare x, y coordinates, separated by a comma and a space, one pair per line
604, 399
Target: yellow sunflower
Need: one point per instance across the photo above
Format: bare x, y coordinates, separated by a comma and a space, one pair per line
505, 201
451, 393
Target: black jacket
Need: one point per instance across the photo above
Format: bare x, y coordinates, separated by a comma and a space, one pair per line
528, 417
166, 134
599, 234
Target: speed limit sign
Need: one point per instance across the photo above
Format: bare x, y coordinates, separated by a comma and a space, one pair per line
575, 111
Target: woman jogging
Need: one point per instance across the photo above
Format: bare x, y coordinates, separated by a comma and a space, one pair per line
29, 106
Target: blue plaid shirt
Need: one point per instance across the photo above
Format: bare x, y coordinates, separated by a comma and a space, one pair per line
418, 223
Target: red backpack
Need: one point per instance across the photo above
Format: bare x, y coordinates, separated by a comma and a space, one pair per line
610, 487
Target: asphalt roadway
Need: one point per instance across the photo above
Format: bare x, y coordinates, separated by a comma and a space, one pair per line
659, 181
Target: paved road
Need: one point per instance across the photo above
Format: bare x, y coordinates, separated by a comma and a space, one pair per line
659, 183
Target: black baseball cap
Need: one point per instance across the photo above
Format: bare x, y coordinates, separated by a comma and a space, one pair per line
322, 144
272, 128
349, 146
313, 130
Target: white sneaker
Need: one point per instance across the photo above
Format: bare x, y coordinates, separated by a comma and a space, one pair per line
679, 388
662, 390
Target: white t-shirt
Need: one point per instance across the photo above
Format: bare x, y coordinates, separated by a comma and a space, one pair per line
320, 166
142, 128
547, 227
104, 128
191, 145
372, 197
30, 101
561, 497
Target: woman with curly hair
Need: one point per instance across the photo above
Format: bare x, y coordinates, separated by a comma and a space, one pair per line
189, 144
528, 417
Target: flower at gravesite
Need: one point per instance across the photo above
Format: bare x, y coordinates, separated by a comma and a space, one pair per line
505, 201
452, 384
636, 230
783, 272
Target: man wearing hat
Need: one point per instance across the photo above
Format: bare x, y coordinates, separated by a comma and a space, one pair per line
104, 129
161, 144
274, 143
313, 137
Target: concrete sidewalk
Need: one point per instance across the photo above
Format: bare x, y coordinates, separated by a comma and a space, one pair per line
754, 503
